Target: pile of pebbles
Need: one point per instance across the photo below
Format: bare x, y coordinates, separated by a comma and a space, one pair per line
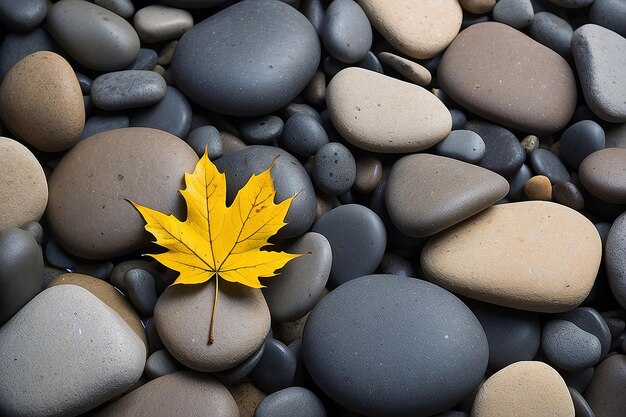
460, 170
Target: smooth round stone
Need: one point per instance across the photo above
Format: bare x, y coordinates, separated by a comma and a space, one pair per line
572, 4
581, 140
615, 259
276, 369
291, 402
419, 29
515, 13
346, 338
357, 239
157, 23
568, 346
410, 70
206, 139
185, 393
23, 186
21, 270
124, 8
602, 174
581, 407
16, 46
261, 130
390, 116
127, 89
346, 32
502, 256
547, 163
517, 181
524, 389
503, 152
464, 145
264, 40
600, 56
538, 188
293, 108
146, 60
104, 359
160, 363
609, 13
553, 32
369, 174
478, 6
141, 290
426, 194
481, 70
41, 102
297, 289
569, 195
334, 169
238, 373
459, 119
289, 176
96, 124
172, 114
592, 322
22, 15
183, 313
513, 335
315, 91
303, 135
606, 393
104, 225
92, 35
108, 294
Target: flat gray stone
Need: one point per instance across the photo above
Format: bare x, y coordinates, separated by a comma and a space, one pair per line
66, 341
291, 402
127, 89
464, 145
171, 114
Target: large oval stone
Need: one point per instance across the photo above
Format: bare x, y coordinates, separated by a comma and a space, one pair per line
602, 174
504, 76
65, 353
87, 210
389, 116
41, 102
394, 346
536, 256
251, 58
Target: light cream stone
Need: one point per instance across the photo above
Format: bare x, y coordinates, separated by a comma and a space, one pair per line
534, 255
156, 23
524, 389
418, 28
382, 114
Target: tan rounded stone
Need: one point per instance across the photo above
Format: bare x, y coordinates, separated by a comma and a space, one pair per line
538, 188
603, 174
369, 173
410, 70
389, 116
41, 102
183, 314
418, 28
23, 185
157, 23
524, 389
248, 397
478, 6
108, 295
533, 255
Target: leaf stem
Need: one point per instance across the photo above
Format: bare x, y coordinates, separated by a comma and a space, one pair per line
211, 337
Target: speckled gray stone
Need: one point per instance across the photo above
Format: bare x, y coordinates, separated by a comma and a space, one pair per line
122, 90
376, 331
172, 114
291, 402
22, 15
515, 13
303, 135
346, 31
334, 169
615, 259
568, 346
592, 322
464, 145
264, 40
553, 32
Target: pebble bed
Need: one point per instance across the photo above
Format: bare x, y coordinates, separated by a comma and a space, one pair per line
460, 171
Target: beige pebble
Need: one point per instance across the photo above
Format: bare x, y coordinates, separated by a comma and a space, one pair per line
41, 102
538, 188
533, 255
248, 397
369, 174
524, 389
410, 70
231, 143
530, 143
418, 28
157, 23
23, 186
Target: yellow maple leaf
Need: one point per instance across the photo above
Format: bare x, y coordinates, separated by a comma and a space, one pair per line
217, 240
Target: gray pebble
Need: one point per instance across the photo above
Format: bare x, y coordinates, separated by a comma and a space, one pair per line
154, 340
515, 13
22, 15
146, 60
517, 181
572, 4
160, 363
581, 406
590, 321
578, 380
264, 130
503, 152
553, 32
334, 169
459, 119
128, 89
235, 375
615, 259
172, 114
609, 13
393, 264
16, 46
546, 163
346, 31
292, 108
314, 11
581, 140
96, 124
206, 139
36, 229
291, 402
568, 346
303, 135
124, 8
141, 290
276, 369
84, 82
58, 257
332, 66
119, 271
463, 145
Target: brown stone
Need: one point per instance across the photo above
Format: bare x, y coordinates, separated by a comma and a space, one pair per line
41, 102
248, 397
369, 174
88, 211
503, 75
108, 295
524, 389
478, 6
606, 393
603, 174
530, 143
533, 255
410, 70
23, 186
231, 143
538, 187
315, 91
418, 28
